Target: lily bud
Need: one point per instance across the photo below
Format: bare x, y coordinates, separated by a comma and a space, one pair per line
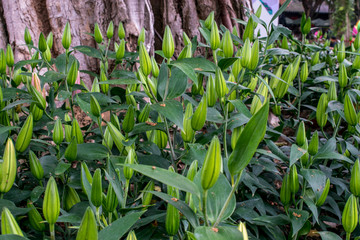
355, 179
8, 167
66, 38
199, 117
145, 61
51, 204
70, 198
35, 166
285, 192
9, 224
121, 31
97, 34
249, 30
76, 132
304, 73
341, 52
214, 37
2, 62
147, 197
168, 46
42, 43
254, 55
103, 78
314, 144
141, 38
228, 47
71, 150
95, 106
220, 84
35, 219
188, 133
315, 58
96, 189
209, 20
144, 114
110, 30
88, 226
350, 215
9, 56
27, 36
50, 40
343, 78
25, 135
246, 54
332, 92
349, 111
72, 74
301, 134
121, 50
210, 170
129, 121
294, 179
324, 194
130, 159
186, 39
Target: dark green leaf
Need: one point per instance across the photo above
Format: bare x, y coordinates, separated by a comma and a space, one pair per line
91, 151
298, 219
220, 233
172, 110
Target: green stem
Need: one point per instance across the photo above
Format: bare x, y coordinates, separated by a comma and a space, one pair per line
337, 127
214, 56
1, 195
52, 231
225, 129
222, 212
98, 217
205, 207
348, 236
126, 193
299, 106
102, 134
173, 156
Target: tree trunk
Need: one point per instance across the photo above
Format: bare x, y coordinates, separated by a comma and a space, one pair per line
153, 15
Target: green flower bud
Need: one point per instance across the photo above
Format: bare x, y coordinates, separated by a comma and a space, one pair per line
356, 63
209, 20
95, 86
111, 199
246, 54
257, 103
85, 171
97, 34
96, 189
121, 31
343, 78
50, 40
211, 91
253, 83
341, 52
188, 133
130, 159
9, 57
121, 50
116, 136
254, 55
235, 136
110, 30
47, 55
236, 67
146, 196
186, 39
8, 167
214, 37
42, 43
67, 128
220, 84
186, 52
304, 159
296, 65
51, 204
301, 134
131, 236
349, 111
107, 141
35, 166
35, 219
9, 224
199, 117
2, 62
249, 30
88, 226
66, 38
36, 112
103, 78
274, 80
332, 92
294, 179
70, 198
276, 109
314, 144
34, 57
210, 170
324, 194
129, 121
17, 77
95, 106
315, 58
141, 38
350, 215
228, 47
160, 138
284, 43
27, 36
168, 46
25, 135
305, 26
71, 150
357, 41
76, 132
172, 221
145, 61
355, 179
58, 133
285, 191
144, 114
72, 74
282, 87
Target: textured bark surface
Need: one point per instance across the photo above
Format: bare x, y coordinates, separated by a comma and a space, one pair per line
51, 16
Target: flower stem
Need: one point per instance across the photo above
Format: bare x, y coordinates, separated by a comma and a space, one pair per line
205, 207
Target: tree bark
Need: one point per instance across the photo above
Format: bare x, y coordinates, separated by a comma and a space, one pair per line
153, 15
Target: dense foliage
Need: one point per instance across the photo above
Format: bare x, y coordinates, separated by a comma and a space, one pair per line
258, 139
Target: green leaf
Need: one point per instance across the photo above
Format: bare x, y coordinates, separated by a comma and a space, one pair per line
51, 76
62, 167
121, 81
16, 211
220, 233
36, 193
144, 127
172, 110
316, 179
4, 129
12, 237
295, 154
167, 177
298, 219
187, 69
181, 206
16, 103
89, 51
329, 236
280, 11
69, 218
91, 151
177, 83
118, 228
313, 208
217, 196
63, 95
198, 64
226, 62
249, 140
22, 63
